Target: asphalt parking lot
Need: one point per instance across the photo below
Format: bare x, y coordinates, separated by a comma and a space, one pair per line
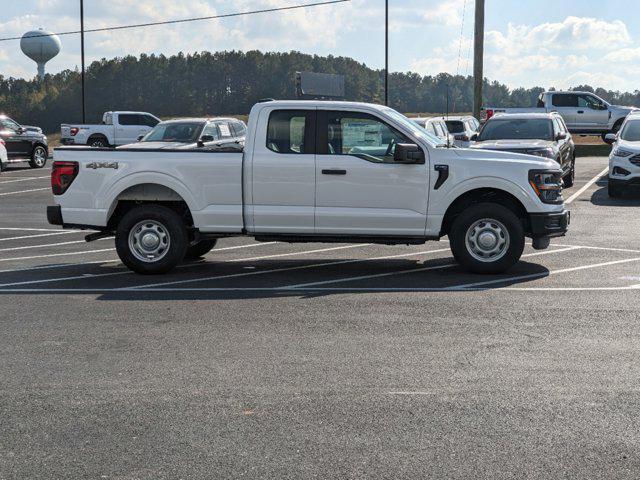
272, 360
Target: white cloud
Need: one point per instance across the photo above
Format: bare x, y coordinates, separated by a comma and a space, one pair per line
448, 13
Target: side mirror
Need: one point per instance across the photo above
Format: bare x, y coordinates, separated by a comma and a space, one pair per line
21, 130
408, 153
610, 138
561, 136
204, 139
474, 137
140, 137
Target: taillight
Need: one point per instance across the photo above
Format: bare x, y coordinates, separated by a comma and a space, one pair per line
74, 131
2, 142
489, 113
62, 175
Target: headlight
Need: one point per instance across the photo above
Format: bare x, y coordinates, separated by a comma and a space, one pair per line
548, 185
619, 152
542, 152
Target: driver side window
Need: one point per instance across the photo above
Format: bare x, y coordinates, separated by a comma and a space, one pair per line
589, 102
362, 135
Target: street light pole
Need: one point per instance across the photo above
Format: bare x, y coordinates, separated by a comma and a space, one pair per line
84, 120
386, 52
478, 52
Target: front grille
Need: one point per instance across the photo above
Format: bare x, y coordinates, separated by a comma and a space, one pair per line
635, 159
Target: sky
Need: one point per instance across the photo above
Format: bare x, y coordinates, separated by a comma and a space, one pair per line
560, 43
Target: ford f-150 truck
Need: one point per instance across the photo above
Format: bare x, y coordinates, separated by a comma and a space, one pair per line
583, 112
312, 171
117, 128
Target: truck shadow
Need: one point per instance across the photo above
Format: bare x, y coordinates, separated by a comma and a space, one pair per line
301, 279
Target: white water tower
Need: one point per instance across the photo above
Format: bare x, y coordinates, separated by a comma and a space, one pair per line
40, 46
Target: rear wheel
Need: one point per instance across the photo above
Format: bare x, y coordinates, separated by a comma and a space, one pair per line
615, 191
98, 141
199, 249
151, 239
38, 157
487, 238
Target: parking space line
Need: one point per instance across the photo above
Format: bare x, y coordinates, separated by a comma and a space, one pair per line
25, 179
57, 255
57, 265
23, 237
20, 229
27, 247
541, 274
611, 249
586, 186
400, 272
25, 191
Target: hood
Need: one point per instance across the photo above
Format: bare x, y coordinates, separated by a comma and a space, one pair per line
30, 128
526, 161
513, 144
159, 146
625, 107
627, 145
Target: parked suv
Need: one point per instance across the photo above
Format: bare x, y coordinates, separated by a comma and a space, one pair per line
436, 126
540, 134
462, 128
193, 133
624, 160
23, 143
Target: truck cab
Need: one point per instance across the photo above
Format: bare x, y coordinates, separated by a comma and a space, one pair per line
313, 171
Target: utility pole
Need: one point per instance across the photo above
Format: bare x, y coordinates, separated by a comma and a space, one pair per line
84, 120
386, 52
478, 53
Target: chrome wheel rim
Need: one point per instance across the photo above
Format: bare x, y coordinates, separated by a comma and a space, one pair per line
97, 143
39, 156
149, 241
487, 240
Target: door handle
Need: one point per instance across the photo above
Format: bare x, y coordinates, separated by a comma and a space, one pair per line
334, 172
580, 111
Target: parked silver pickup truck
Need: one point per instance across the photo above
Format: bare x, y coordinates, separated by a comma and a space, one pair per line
583, 112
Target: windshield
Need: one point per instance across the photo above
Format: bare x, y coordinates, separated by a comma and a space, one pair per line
455, 126
413, 128
631, 131
183, 132
517, 129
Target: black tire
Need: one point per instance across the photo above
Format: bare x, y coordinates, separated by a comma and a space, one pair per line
200, 249
615, 191
172, 234
39, 156
2, 166
98, 141
503, 218
570, 177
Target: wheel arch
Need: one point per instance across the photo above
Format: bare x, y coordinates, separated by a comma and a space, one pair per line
483, 195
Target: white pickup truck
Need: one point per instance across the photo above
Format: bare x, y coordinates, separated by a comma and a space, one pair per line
583, 112
312, 171
117, 128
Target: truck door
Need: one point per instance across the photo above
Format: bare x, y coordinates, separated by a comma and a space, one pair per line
359, 188
283, 172
592, 114
566, 104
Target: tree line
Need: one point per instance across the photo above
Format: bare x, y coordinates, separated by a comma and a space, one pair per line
230, 82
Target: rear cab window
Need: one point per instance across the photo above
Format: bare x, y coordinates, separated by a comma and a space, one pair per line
455, 126
291, 132
564, 100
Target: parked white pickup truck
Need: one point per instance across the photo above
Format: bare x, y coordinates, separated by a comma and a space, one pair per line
583, 112
312, 171
117, 128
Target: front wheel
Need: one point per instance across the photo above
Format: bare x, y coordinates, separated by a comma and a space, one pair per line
569, 178
615, 191
38, 157
151, 239
487, 238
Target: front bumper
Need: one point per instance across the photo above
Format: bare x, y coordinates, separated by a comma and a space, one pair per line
54, 215
549, 224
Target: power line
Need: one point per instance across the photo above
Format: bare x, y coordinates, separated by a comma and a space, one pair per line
185, 20
464, 8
